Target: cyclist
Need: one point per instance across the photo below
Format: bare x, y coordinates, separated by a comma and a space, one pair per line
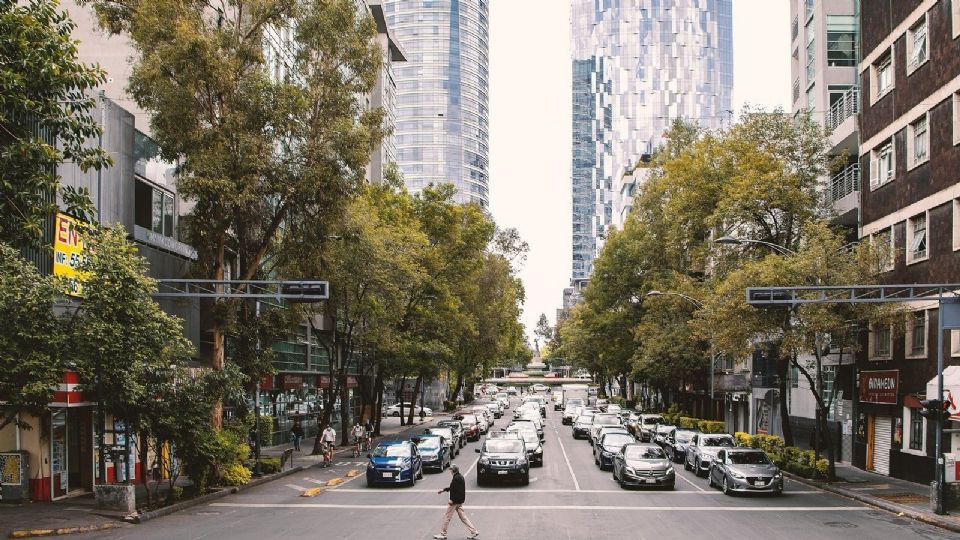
357, 434
367, 434
329, 439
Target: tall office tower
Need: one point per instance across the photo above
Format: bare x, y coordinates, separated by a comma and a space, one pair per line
442, 113
637, 66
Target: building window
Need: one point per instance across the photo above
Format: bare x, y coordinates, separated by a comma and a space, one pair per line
811, 62
881, 339
808, 11
918, 50
841, 40
154, 209
884, 241
917, 334
794, 376
811, 99
919, 142
882, 75
882, 164
917, 238
915, 441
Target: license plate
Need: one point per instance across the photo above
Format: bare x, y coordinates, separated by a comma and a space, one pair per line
501, 472
758, 482
649, 481
388, 475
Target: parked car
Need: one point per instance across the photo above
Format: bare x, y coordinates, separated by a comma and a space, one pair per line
569, 414
631, 421
646, 425
643, 464
434, 451
394, 410
471, 425
512, 391
541, 403
459, 434
504, 399
703, 448
447, 434
481, 410
601, 404
613, 407
394, 462
677, 442
608, 446
532, 442
534, 422
495, 409
660, 433
602, 420
540, 387
745, 470
503, 459
581, 426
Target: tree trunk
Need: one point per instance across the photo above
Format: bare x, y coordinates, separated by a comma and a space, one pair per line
784, 366
328, 407
623, 386
413, 400
458, 388
378, 402
219, 347
344, 395
400, 392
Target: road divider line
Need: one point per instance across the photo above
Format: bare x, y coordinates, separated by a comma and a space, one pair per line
678, 475
473, 507
296, 487
576, 484
382, 491
475, 461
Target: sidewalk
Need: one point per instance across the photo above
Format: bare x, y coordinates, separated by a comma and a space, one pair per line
891, 494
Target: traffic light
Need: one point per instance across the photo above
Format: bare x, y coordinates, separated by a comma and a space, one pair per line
935, 409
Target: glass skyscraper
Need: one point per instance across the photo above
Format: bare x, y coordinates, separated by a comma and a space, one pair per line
637, 66
442, 121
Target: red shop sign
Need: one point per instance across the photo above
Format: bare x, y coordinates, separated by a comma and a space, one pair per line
879, 386
266, 382
324, 381
291, 381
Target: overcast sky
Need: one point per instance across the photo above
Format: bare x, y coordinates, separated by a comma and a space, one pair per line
530, 122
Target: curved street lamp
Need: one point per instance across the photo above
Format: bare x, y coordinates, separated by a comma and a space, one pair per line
734, 241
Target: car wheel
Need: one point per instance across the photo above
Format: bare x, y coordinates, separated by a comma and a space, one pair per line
420, 473
696, 468
526, 480
395, 414
686, 464
413, 478
726, 486
480, 480
710, 479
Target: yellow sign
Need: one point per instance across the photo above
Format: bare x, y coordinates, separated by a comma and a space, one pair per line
68, 253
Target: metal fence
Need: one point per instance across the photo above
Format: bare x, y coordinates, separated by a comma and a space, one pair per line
844, 182
843, 108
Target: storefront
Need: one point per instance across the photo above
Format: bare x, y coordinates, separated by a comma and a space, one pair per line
300, 397
878, 419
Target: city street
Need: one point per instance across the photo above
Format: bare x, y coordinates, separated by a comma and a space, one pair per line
569, 497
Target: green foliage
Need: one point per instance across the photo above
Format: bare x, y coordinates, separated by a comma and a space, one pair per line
235, 474
712, 426
45, 118
31, 347
687, 422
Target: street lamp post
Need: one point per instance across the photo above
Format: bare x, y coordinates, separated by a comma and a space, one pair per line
699, 305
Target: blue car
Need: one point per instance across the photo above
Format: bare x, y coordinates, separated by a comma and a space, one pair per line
434, 451
394, 462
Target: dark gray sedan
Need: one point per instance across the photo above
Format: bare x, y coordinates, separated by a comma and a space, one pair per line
643, 464
745, 470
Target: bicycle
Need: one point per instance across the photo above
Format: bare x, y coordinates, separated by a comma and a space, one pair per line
327, 454
356, 447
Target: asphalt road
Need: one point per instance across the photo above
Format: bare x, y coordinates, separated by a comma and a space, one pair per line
569, 497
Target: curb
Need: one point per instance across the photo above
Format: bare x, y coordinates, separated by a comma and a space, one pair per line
167, 510
899, 509
62, 531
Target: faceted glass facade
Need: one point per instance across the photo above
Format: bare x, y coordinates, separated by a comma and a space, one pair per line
442, 94
637, 66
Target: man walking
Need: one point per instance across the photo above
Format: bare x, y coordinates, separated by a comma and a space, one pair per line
458, 494
296, 432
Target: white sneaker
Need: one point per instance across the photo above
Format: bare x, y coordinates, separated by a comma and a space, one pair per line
474, 535
440, 536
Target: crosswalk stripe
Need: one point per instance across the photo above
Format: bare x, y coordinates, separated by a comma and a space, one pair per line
562, 507
296, 487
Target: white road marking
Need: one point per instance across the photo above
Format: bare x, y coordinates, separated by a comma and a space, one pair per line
296, 487
678, 475
475, 461
320, 482
383, 491
564, 507
567, 459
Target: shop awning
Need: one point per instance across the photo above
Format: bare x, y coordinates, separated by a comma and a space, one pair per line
951, 390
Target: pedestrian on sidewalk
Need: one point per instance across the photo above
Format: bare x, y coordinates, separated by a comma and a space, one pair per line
296, 432
423, 414
458, 495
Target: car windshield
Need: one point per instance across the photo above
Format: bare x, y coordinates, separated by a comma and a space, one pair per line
503, 445
448, 424
527, 435
607, 419
665, 429
748, 458
469, 420
616, 440
443, 432
644, 452
392, 450
684, 436
429, 443
575, 402
649, 421
717, 441
585, 419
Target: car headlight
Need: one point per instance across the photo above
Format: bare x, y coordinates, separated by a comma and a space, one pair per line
778, 476
737, 475
484, 461
670, 470
369, 464
521, 461
539, 450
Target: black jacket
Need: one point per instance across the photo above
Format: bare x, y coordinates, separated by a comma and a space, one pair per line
457, 489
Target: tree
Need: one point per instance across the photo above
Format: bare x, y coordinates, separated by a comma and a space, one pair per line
45, 118
263, 143
31, 347
543, 331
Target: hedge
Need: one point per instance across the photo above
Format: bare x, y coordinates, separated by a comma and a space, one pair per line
789, 458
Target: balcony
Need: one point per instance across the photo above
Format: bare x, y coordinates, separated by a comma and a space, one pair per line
843, 108
731, 382
762, 380
844, 183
